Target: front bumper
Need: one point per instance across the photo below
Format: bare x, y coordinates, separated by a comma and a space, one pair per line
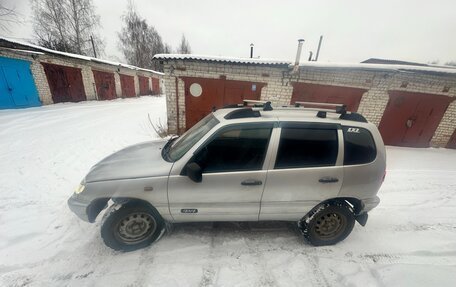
79, 207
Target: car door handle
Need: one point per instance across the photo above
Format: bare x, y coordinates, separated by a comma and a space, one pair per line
328, 179
252, 182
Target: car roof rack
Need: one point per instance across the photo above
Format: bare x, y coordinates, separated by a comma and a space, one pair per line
266, 105
339, 108
245, 109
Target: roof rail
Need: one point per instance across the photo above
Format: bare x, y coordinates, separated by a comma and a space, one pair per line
242, 113
266, 105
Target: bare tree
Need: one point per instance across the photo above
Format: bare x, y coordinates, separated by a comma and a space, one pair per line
67, 25
139, 41
49, 25
83, 24
451, 63
8, 16
184, 46
167, 49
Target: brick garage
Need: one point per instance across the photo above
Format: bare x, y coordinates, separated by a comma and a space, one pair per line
367, 88
64, 77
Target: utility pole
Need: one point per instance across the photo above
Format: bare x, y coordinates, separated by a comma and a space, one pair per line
93, 47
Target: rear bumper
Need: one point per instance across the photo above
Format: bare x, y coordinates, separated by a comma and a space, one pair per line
79, 207
370, 203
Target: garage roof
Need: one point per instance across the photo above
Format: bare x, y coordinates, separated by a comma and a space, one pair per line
430, 70
231, 60
25, 47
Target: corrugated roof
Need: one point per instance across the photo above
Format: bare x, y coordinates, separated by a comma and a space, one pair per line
234, 60
428, 69
391, 62
431, 70
71, 55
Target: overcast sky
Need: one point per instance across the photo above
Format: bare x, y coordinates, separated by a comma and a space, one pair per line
353, 30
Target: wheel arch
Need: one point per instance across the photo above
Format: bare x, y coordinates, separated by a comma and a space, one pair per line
355, 205
135, 201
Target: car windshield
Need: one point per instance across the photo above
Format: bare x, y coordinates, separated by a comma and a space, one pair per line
190, 137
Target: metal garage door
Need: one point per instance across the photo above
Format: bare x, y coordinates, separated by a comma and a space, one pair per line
105, 84
127, 84
144, 88
65, 83
410, 119
215, 93
155, 86
17, 87
305, 92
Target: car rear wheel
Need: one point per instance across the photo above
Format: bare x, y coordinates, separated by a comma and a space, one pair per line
130, 227
328, 224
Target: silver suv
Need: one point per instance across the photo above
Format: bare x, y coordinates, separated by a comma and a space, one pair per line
319, 167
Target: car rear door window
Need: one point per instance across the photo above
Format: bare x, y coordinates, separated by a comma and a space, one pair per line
359, 146
241, 149
306, 147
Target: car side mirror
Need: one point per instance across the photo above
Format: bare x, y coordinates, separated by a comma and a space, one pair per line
194, 172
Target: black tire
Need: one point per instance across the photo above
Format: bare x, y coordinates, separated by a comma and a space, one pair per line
132, 226
328, 224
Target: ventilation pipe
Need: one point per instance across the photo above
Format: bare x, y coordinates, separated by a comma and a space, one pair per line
251, 50
298, 56
319, 46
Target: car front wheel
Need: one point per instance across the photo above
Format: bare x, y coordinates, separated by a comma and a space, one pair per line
131, 226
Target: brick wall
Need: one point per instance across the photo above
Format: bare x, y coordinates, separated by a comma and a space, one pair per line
279, 91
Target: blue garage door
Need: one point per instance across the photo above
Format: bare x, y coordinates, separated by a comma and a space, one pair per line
17, 87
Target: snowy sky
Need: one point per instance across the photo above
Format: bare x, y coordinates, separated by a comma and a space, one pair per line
353, 30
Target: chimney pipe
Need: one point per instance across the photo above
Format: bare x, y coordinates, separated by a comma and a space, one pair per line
298, 53
251, 50
319, 46
298, 56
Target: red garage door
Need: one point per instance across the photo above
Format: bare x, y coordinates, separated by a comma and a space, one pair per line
127, 84
410, 119
105, 83
155, 86
215, 93
452, 141
144, 88
305, 92
65, 83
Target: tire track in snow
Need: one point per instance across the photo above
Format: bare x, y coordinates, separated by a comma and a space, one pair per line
209, 271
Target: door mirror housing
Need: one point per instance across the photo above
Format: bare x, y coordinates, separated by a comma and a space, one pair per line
194, 172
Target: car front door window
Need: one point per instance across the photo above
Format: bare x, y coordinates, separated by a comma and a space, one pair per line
241, 149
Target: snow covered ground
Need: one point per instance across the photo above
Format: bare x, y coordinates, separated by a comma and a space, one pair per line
410, 239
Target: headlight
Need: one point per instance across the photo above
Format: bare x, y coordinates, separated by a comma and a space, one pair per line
79, 189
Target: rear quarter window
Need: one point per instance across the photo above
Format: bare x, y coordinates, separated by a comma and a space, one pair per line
359, 146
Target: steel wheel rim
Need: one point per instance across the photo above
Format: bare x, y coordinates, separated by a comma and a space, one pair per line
135, 228
330, 225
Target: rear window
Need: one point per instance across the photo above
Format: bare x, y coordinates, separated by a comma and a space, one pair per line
359, 146
306, 147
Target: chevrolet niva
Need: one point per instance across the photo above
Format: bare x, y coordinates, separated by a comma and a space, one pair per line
319, 167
